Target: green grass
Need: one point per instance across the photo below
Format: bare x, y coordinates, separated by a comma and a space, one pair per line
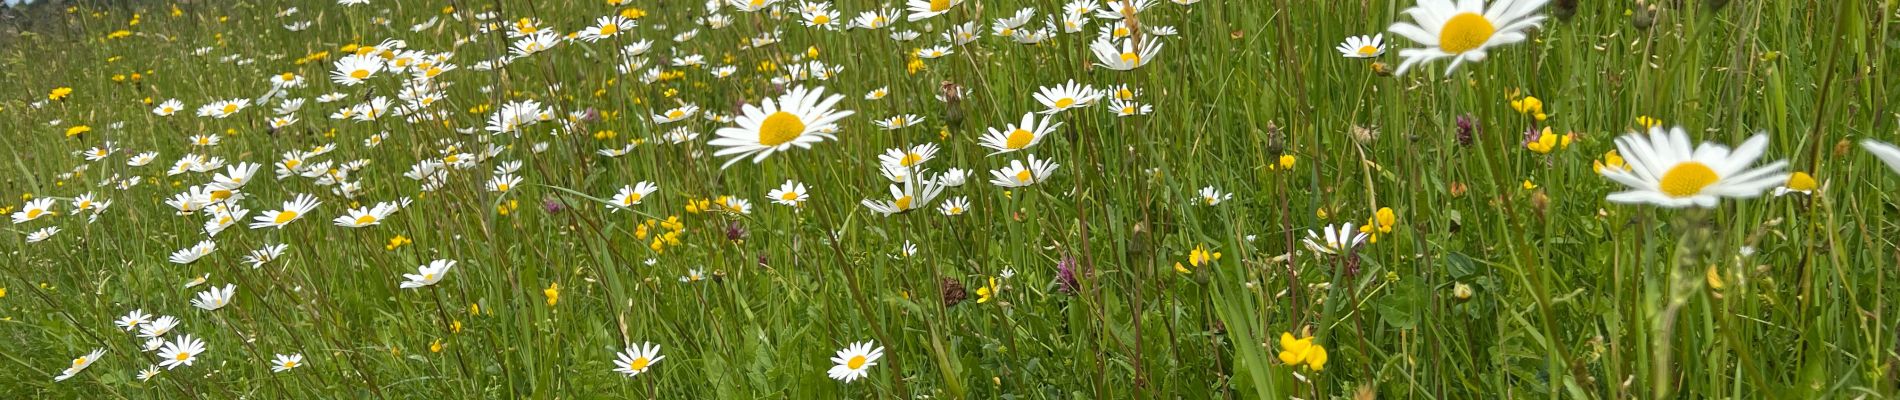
1573, 296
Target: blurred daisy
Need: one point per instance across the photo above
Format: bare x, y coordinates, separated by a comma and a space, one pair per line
1464, 31
365, 216
912, 195
34, 209
676, 114
1362, 46
934, 52
1664, 170
215, 298
1128, 108
955, 206
131, 321
80, 364
180, 352
631, 195
1887, 153
286, 362
193, 253
293, 210
900, 121
428, 275
168, 108
906, 158
1799, 182
878, 93
923, 9
223, 108
266, 254
1211, 196
852, 361
1019, 136
791, 193
800, 118
42, 234
606, 27
1337, 239
1128, 56
158, 327
148, 373
1066, 96
503, 183
1019, 175
637, 359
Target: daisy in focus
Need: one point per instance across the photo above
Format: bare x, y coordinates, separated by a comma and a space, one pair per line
799, 118
428, 275
1465, 31
1662, 169
852, 361
637, 359
1362, 46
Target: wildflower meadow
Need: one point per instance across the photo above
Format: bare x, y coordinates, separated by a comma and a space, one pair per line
949, 199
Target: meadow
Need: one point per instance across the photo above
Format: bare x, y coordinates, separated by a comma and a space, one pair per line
949, 199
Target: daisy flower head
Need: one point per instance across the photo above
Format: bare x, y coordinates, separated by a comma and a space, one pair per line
791, 194
168, 108
1362, 46
80, 364
637, 359
189, 254
365, 216
354, 69
955, 206
1798, 183
853, 361
799, 118
428, 275
1211, 196
132, 320
631, 195
1465, 31
180, 352
908, 158
1020, 175
1019, 136
676, 114
1123, 108
924, 9
286, 362
503, 183
913, 194
215, 298
1662, 169
42, 234
34, 209
1062, 97
223, 108
292, 211
1337, 239
899, 121
158, 327
606, 27
1128, 56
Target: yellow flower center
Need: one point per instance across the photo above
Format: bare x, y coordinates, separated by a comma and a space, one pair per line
935, 6
858, 361
182, 356
1131, 58
638, 364
903, 203
1066, 102
1121, 31
1367, 50
1687, 179
780, 128
78, 361
609, 29
34, 213
428, 277
1802, 181
956, 210
288, 76
365, 220
674, 114
220, 194
821, 19
789, 196
285, 217
230, 108
1465, 32
1020, 138
911, 159
290, 364
360, 74
1023, 176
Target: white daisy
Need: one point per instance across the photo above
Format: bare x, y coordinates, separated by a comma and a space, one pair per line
1019, 136
1362, 46
1663, 169
1464, 31
800, 118
852, 361
637, 359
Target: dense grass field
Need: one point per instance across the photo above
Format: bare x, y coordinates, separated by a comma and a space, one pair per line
788, 200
